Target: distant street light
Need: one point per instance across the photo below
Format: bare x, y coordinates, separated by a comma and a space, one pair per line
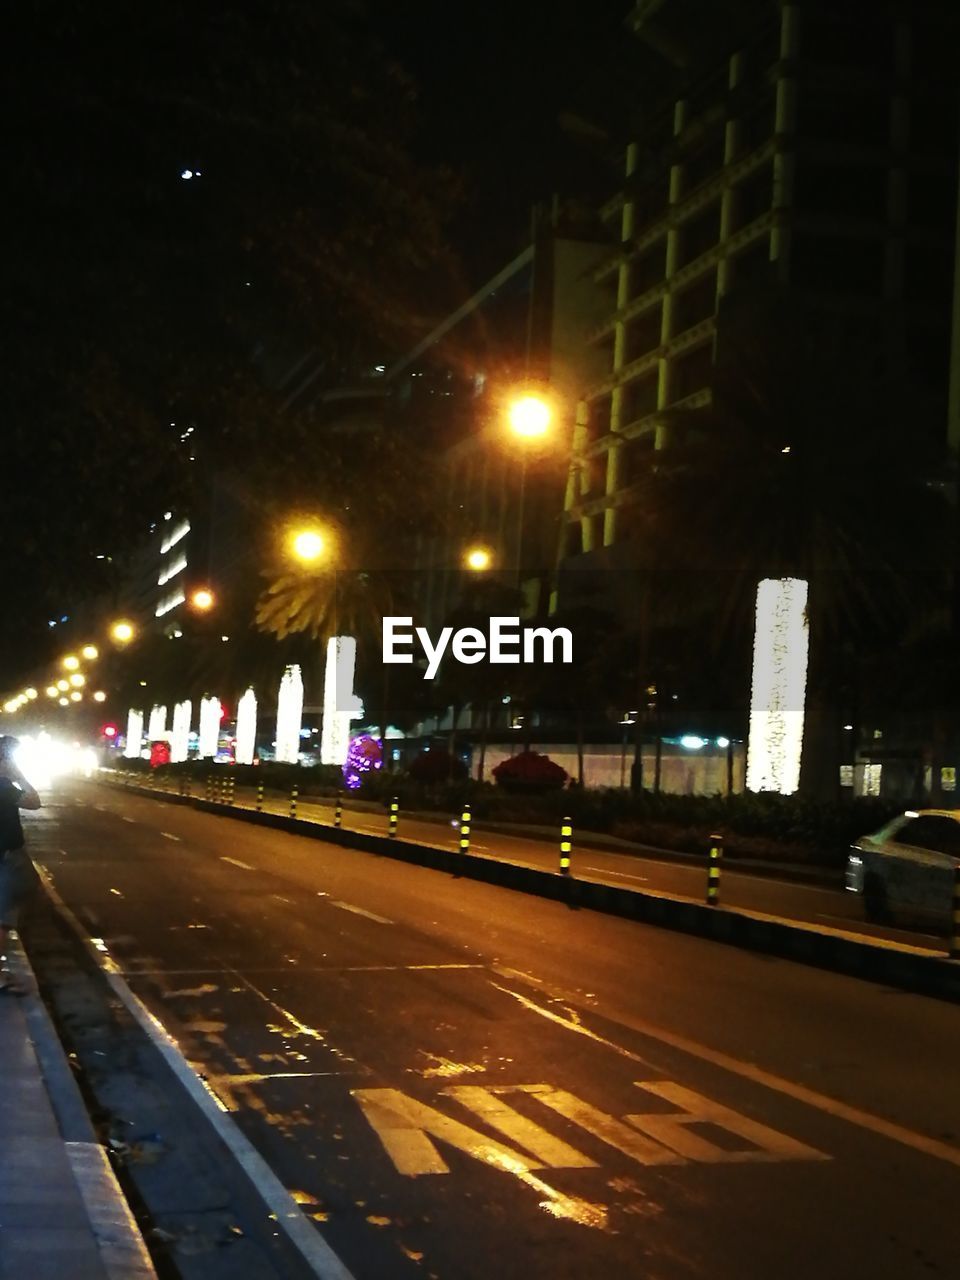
70, 662
63, 686
76, 695
77, 680
202, 599
90, 652
30, 693
478, 559
64, 702
52, 691
122, 632
99, 696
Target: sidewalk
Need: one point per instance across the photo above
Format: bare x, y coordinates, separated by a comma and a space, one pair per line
62, 1213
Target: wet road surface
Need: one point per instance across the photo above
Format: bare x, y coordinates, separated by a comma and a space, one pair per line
457, 1080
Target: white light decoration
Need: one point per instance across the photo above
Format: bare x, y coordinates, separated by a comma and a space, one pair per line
246, 728
289, 715
340, 703
209, 738
131, 748
780, 647
157, 728
180, 734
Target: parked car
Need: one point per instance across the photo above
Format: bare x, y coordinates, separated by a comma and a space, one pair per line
907, 868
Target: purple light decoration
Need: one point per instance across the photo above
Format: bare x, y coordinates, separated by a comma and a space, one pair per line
363, 756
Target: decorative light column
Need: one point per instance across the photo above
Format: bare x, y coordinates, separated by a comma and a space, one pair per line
134, 742
157, 727
780, 648
246, 727
289, 715
210, 715
340, 703
180, 733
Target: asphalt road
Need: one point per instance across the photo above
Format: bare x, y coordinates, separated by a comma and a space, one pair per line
811, 903
458, 1081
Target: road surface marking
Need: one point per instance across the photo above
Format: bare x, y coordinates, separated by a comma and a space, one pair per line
168, 835
359, 911
608, 1129
126, 819
674, 1132
405, 1127
235, 862
525, 1133
623, 875
747, 1070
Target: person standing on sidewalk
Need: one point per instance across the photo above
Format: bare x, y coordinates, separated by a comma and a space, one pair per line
16, 870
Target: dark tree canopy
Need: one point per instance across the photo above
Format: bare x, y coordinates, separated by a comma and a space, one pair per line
140, 300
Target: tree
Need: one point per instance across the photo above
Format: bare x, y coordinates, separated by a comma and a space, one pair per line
796, 470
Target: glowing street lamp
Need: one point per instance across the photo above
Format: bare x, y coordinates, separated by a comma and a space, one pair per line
64, 702
70, 662
122, 632
76, 695
90, 652
63, 685
99, 696
30, 693
478, 559
529, 416
202, 599
52, 691
307, 545
77, 680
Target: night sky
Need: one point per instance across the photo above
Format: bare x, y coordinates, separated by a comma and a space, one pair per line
339, 205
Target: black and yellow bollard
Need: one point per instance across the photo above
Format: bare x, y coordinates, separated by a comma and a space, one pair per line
338, 811
259, 797
465, 829
955, 916
394, 817
713, 871
231, 783
566, 834
293, 801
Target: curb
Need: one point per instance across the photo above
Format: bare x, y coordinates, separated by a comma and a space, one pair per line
894, 964
122, 1249
319, 1258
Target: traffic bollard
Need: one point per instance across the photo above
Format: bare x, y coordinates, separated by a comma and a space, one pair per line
206, 789
713, 871
293, 801
566, 831
338, 811
465, 829
259, 797
394, 817
955, 918
231, 783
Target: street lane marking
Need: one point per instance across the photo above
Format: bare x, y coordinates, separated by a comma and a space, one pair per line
673, 1130
168, 835
359, 911
405, 1127
409, 1130
126, 819
525, 1133
235, 862
622, 875
746, 1070
607, 1128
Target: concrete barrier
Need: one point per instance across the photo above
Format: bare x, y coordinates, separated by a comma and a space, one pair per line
896, 964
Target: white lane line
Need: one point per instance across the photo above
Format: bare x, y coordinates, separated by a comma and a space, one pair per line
126, 819
623, 875
359, 911
168, 835
945, 1151
235, 862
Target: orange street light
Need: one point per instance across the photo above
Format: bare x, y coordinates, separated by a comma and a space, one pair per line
478, 559
529, 416
203, 599
90, 652
307, 545
122, 632
70, 662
